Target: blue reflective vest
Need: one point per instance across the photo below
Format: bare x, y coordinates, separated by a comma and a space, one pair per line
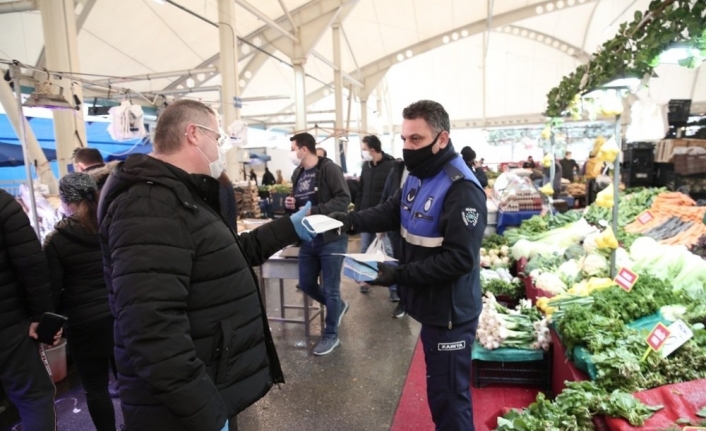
423, 201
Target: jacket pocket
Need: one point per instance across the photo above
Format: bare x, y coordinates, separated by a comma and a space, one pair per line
225, 348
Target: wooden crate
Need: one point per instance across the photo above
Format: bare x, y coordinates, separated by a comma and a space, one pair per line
687, 164
665, 148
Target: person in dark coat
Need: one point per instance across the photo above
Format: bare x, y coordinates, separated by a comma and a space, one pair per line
267, 178
87, 159
228, 202
24, 296
192, 341
319, 182
395, 180
441, 213
73, 251
469, 156
376, 166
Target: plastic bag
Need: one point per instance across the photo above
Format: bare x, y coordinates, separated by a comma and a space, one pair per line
378, 244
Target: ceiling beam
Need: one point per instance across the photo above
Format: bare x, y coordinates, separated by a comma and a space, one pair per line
379, 68
267, 36
253, 10
80, 20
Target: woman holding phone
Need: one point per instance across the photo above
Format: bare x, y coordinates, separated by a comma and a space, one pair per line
76, 264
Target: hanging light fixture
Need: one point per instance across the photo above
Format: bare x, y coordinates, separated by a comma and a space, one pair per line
45, 97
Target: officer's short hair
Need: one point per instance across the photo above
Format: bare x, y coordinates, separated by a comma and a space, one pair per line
432, 112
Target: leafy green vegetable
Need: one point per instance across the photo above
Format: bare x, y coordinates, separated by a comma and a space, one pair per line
494, 241
498, 287
574, 408
631, 206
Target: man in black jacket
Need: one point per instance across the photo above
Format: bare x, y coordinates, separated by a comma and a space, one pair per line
25, 294
319, 182
441, 214
87, 159
469, 156
192, 343
376, 166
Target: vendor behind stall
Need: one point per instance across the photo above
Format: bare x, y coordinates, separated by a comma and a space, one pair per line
592, 169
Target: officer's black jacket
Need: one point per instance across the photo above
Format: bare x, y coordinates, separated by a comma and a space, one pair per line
439, 286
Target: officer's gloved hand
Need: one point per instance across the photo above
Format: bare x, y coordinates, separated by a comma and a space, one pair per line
297, 220
386, 275
225, 427
343, 218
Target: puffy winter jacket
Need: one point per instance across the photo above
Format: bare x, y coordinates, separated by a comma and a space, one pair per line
24, 274
372, 182
192, 343
77, 281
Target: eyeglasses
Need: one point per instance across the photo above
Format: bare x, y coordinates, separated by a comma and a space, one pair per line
222, 137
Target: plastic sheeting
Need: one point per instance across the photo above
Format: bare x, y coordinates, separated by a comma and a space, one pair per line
680, 401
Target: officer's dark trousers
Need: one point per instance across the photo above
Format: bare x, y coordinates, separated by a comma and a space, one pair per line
447, 353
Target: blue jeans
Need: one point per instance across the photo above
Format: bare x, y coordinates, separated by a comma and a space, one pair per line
366, 238
316, 257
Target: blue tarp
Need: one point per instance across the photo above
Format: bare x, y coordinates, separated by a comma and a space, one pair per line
96, 134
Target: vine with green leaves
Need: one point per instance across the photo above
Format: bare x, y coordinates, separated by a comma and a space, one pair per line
635, 50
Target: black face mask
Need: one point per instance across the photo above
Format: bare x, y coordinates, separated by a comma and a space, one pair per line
414, 158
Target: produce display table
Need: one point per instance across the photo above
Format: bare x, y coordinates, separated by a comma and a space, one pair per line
514, 218
562, 368
680, 401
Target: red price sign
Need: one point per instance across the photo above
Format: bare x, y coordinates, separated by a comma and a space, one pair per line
626, 279
645, 217
658, 337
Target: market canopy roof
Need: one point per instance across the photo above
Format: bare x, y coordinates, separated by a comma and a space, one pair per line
415, 49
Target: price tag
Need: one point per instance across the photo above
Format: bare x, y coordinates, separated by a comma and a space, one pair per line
602, 223
658, 337
694, 429
645, 217
626, 279
679, 333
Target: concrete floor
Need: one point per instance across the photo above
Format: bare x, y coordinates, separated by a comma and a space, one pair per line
356, 387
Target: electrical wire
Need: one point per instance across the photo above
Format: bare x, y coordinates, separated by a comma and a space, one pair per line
204, 19
172, 30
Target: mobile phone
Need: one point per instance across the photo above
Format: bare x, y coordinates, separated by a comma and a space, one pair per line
49, 325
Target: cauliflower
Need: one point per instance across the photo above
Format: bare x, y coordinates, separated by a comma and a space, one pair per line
569, 270
593, 264
550, 283
589, 243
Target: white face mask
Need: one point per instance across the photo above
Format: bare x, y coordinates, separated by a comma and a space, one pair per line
367, 156
217, 166
296, 161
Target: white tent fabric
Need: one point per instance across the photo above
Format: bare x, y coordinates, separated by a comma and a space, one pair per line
435, 49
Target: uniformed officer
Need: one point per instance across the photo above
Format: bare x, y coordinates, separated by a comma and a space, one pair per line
441, 215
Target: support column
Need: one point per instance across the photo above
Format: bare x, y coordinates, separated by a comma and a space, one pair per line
228, 66
59, 25
9, 104
364, 115
299, 94
337, 84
